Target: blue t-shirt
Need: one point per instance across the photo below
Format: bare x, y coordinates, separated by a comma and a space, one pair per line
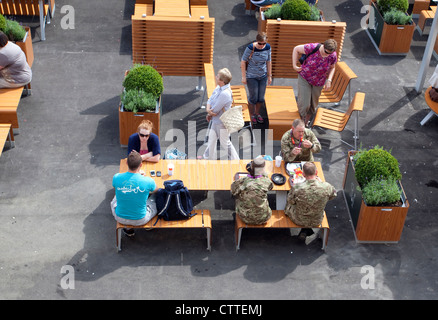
132, 192
257, 67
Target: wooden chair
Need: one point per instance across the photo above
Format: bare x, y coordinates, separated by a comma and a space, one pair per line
432, 105
336, 120
30, 8
340, 82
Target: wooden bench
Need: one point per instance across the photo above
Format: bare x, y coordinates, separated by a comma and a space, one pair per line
420, 5
6, 134
30, 8
9, 100
425, 15
202, 219
281, 108
432, 105
281, 221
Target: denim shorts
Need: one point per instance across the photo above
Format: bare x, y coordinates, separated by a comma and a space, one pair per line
256, 89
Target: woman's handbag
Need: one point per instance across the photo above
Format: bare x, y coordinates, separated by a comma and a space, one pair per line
233, 119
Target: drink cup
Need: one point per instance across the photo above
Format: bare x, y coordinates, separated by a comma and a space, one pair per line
278, 161
170, 168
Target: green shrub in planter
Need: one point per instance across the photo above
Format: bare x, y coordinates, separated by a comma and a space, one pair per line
381, 192
397, 17
387, 5
14, 31
295, 10
314, 13
144, 77
137, 100
2, 23
273, 12
375, 163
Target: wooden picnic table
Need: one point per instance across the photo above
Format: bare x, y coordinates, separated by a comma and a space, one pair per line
213, 175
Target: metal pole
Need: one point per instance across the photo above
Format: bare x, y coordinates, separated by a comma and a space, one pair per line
427, 55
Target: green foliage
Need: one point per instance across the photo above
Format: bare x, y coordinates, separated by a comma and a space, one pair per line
137, 100
375, 163
397, 17
144, 77
295, 10
273, 12
2, 23
387, 5
381, 192
314, 13
14, 31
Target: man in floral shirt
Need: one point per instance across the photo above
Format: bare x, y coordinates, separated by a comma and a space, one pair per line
314, 75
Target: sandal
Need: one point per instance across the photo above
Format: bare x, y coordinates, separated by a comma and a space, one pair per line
253, 119
259, 118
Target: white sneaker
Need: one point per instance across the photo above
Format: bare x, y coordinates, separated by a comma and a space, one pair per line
311, 238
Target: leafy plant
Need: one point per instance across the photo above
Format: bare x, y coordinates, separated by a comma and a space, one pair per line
375, 163
295, 10
14, 31
381, 192
314, 13
387, 5
397, 17
144, 77
2, 23
137, 100
273, 12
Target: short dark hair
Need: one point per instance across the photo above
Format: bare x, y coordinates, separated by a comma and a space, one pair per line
134, 160
3, 39
309, 169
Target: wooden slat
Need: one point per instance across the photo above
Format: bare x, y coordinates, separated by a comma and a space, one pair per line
9, 100
5, 131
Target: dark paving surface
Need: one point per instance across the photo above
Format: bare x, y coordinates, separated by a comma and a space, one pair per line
55, 185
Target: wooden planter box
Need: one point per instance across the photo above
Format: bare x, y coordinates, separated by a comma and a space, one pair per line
284, 35
26, 46
372, 224
129, 121
389, 39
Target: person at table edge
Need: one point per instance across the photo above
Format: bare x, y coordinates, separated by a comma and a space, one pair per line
299, 143
145, 142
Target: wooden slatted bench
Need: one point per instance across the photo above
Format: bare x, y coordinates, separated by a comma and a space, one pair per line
30, 8
9, 100
6, 134
278, 220
202, 219
420, 5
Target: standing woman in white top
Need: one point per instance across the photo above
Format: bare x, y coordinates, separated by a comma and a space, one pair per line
219, 102
14, 70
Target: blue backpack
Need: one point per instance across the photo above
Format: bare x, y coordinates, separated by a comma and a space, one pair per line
174, 201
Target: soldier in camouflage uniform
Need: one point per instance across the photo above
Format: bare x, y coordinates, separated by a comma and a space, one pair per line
251, 194
299, 143
306, 201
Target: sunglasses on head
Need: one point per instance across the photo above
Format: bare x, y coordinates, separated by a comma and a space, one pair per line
144, 135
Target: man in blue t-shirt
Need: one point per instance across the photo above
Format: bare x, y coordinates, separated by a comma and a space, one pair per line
132, 204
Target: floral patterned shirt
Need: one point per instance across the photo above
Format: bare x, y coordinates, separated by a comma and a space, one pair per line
316, 67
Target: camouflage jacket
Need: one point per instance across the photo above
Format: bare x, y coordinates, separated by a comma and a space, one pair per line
306, 202
251, 196
306, 154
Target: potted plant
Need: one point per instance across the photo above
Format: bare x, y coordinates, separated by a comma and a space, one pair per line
19, 35
292, 23
390, 28
374, 195
140, 100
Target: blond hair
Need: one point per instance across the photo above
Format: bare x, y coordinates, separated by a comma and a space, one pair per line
145, 124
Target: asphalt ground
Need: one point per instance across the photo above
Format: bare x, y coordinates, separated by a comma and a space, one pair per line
55, 185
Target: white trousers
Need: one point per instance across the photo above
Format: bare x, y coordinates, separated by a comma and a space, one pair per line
228, 152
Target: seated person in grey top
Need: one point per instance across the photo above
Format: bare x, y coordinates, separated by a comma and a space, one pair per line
14, 70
